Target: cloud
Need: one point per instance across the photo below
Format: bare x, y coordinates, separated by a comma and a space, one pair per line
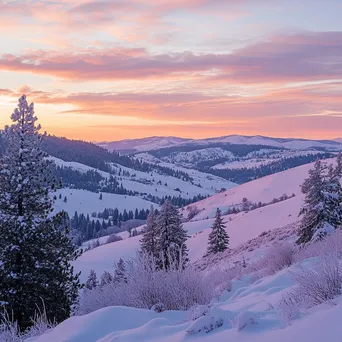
286, 58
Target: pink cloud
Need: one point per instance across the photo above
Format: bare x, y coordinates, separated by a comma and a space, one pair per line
311, 56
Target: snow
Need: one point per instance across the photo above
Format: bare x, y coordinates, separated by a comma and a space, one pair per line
246, 314
159, 185
241, 227
87, 202
264, 189
153, 143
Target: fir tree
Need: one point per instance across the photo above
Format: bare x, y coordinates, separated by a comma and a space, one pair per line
100, 196
106, 278
65, 200
91, 281
171, 237
338, 169
149, 238
120, 272
321, 212
218, 237
35, 248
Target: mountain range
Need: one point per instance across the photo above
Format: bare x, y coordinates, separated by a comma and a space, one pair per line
153, 143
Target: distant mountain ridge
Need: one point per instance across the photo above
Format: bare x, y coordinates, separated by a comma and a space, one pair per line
154, 143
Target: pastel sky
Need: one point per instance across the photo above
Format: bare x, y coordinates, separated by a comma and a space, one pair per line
109, 70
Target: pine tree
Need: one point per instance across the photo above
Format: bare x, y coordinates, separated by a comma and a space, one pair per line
149, 239
321, 212
338, 169
218, 237
65, 200
120, 272
171, 237
100, 196
106, 278
91, 282
35, 248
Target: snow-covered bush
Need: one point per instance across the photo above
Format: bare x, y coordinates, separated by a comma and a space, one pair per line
319, 283
288, 307
277, 257
198, 311
330, 245
280, 256
10, 332
176, 288
208, 322
159, 307
244, 319
192, 212
113, 238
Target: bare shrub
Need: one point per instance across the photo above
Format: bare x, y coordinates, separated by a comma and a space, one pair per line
320, 283
288, 308
9, 330
276, 258
113, 238
176, 288
330, 245
192, 212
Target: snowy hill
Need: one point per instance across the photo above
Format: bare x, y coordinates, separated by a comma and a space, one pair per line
88, 202
249, 309
144, 144
241, 227
156, 184
153, 143
248, 313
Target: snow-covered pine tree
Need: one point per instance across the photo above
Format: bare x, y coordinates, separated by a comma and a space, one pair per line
35, 249
120, 275
321, 212
149, 239
171, 239
91, 282
218, 238
338, 169
106, 279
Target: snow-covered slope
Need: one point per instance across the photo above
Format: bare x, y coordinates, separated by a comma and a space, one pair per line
88, 202
248, 313
153, 183
144, 144
153, 143
241, 227
264, 190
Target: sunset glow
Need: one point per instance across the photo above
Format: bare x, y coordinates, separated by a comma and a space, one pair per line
116, 69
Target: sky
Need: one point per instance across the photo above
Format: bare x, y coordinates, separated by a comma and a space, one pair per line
109, 70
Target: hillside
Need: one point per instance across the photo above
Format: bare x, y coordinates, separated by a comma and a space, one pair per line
153, 143
253, 307
241, 227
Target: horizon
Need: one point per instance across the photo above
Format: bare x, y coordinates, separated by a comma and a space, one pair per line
117, 70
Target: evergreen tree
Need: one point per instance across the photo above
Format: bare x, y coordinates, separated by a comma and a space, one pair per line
149, 239
338, 169
35, 249
65, 199
91, 281
100, 196
218, 237
120, 272
321, 212
60, 196
106, 278
171, 238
